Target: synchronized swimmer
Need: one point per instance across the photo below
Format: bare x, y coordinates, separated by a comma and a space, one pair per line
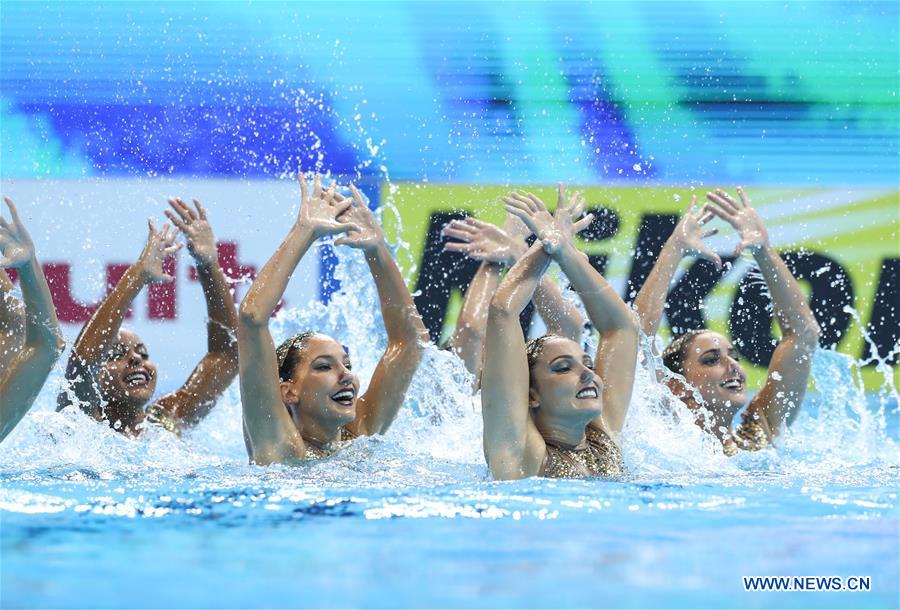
550, 408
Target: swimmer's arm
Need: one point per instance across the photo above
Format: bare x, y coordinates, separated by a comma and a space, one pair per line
469, 336
43, 344
618, 327
782, 395
102, 329
686, 239
317, 218
513, 447
270, 433
561, 315
406, 334
218, 368
12, 322
780, 398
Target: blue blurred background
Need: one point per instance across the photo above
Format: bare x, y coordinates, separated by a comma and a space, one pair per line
784, 93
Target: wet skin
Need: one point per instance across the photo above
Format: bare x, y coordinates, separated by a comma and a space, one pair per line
127, 376
563, 382
712, 366
323, 384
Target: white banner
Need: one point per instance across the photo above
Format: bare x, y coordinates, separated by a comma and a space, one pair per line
89, 231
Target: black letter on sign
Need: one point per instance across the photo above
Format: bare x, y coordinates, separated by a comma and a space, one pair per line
604, 225
440, 273
684, 305
884, 323
751, 310
655, 230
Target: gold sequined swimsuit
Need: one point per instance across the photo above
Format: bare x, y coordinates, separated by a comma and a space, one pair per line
748, 436
317, 452
155, 414
598, 456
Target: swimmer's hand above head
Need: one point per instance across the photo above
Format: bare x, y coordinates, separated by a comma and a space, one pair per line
557, 230
739, 214
194, 225
482, 241
689, 234
319, 210
160, 245
364, 233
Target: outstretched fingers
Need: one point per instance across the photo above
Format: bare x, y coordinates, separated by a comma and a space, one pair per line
537, 204
201, 211
317, 186
576, 205
716, 211
582, 224
13, 212
181, 222
304, 189
723, 200
744, 200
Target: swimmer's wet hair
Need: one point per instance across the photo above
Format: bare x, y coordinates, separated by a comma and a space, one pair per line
289, 354
534, 348
675, 354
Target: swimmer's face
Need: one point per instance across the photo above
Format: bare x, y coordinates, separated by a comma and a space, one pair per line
127, 376
563, 381
712, 365
323, 384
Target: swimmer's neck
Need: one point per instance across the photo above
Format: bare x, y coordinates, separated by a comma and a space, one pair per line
320, 434
564, 434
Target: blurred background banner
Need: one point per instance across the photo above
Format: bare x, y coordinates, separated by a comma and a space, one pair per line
107, 108
749, 92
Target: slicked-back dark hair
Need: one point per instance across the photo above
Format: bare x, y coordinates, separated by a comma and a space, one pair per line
675, 354
289, 354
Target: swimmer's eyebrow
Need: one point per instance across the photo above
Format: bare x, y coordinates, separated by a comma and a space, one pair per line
563, 357
331, 358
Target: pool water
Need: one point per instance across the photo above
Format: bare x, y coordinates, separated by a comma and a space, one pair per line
90, 519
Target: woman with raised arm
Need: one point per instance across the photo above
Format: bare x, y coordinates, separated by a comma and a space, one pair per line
26, 369
707, 360
110, 375
549, 409
496, 248
301, 400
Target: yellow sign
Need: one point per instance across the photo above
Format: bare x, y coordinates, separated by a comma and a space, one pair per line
841, 243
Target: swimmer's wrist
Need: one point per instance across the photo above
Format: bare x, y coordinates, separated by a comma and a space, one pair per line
303, 232
378, 250
568, 249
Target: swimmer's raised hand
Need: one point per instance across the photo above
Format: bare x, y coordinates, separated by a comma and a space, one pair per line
554, 231
740, 215
319, 210
483, 241
689, 234
193, 224
364, 233
15, 243
160, 245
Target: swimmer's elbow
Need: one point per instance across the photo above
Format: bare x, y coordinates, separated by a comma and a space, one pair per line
251, 315
807, 334
501, 309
